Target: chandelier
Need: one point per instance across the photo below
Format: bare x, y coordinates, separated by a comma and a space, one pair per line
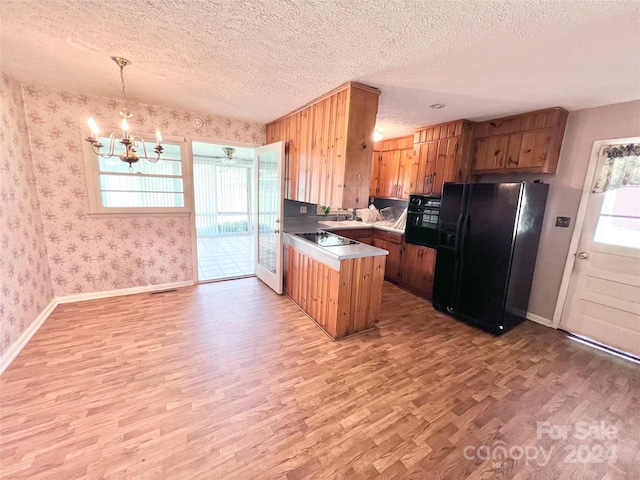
126, 139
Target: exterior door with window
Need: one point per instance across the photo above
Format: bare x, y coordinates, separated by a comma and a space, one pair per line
269, 211
603, 300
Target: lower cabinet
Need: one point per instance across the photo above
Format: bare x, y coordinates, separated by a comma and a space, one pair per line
392, 242
417, 268
362, 235
407, 265
342, 302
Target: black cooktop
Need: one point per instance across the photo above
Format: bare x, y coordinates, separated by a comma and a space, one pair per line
326, 239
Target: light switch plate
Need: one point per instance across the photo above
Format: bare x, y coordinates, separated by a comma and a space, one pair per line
303, 209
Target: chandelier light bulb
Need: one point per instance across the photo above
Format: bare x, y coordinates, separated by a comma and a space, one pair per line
125, 126
94, 127
158, 136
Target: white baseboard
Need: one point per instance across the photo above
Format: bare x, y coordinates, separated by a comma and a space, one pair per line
538, 319
16, 347
81, 297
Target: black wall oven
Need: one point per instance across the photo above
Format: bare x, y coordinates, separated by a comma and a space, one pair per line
423, 213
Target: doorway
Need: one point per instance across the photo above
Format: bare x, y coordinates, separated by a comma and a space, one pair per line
601, 304
223, 182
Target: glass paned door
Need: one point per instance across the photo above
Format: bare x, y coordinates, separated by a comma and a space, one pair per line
269, 206
602, 299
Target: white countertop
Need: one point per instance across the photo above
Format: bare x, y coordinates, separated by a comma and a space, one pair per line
353, 224
332, 256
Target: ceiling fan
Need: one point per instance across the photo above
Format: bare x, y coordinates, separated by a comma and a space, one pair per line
229, 159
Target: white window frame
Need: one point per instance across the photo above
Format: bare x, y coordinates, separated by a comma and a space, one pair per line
94, 191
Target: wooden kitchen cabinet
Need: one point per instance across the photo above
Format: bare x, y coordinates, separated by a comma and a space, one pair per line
391, 168
341, 301
528, 142
417, 268
443, 155
392, 242
362, 235
328, 147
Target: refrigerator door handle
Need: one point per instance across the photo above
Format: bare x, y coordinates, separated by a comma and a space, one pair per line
458, 239
460, 257
463, 237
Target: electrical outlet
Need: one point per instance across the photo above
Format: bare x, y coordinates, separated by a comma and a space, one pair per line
562, 221
303, 209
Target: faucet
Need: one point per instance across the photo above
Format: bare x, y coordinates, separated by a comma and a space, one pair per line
346, 216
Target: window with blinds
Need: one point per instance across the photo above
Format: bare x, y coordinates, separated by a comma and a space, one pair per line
147, 188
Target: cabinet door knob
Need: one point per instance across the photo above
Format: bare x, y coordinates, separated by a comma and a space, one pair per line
583, 255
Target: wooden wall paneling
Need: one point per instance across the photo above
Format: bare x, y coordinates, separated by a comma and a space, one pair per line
332, 302
321, 310
374, 293
286, 269
308, 170
331, 149
344, 297
330, 134
292, 129
359, 298
375, 174
338, 162
343, 302
318, 151
272, 132
362, 110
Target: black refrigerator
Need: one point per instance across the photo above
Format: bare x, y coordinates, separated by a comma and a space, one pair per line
488, 242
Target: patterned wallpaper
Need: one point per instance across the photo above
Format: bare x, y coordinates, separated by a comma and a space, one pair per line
25, 280
97, 254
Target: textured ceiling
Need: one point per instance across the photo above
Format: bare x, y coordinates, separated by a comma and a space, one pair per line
258, 60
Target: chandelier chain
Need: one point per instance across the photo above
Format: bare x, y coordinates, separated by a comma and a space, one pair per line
124, 95
126, 139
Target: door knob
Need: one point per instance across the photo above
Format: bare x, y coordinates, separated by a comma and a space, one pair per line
583, 255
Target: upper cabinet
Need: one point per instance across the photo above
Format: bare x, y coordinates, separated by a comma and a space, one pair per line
523, 143
391, 171
441, 153
328, 147
423, 162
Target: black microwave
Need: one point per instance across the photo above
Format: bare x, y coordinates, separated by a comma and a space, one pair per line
423, 213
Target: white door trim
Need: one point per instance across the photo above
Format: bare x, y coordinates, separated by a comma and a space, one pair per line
579, 223
273, 280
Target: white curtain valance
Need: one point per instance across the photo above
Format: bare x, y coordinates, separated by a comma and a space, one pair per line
621, 167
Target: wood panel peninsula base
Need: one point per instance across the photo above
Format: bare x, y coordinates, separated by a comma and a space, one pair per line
341, 295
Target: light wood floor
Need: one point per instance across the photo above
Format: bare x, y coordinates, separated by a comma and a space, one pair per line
228, 380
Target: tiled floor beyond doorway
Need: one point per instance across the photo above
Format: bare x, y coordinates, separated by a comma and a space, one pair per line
225, 257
